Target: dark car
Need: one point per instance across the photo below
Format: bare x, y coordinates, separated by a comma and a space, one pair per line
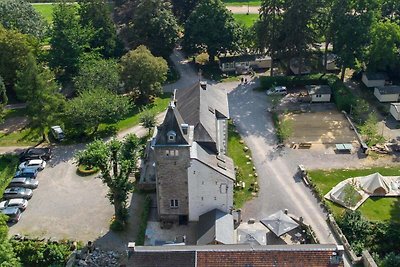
24, 182
43, 153
13, 213
17, 192
27, 173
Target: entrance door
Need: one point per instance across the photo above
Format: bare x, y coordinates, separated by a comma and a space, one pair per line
183, 219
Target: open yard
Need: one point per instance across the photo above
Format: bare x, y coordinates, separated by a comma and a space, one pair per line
242, 3
324, 127
46, 10
375, 208
247, 19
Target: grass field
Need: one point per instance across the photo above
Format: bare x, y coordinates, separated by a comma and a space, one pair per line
375, 209
237, 153
46, 10
242, 3
247, 19
8, 165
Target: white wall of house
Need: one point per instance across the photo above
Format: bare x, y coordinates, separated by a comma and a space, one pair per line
395, 113
372, 83
386, 98
208, 189
321, 98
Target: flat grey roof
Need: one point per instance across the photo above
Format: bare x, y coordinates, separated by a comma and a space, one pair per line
319, 89
389, 90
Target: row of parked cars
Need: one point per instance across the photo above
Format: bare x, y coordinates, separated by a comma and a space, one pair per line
20, 189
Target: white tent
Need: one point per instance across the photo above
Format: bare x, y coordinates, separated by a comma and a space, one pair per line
279, 223
255, 234
375, 184
339, 194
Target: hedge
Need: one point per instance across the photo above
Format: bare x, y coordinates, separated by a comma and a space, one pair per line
342, 96
143, 221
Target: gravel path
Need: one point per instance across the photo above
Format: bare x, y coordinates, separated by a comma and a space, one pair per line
243, 9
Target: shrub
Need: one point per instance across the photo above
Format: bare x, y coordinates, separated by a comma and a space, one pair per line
117, 226
143, 221
84, 170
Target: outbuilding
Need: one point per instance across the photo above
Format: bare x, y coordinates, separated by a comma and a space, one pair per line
244, 63
387, 93
373, 79
395, 111
319, 93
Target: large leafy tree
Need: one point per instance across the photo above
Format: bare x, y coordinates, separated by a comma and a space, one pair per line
148, 120
268, 28
20, 15
3, 98
150, 23
116, 161
352, 21
15, 49
104, 73
93, 107
383, 52
96, 14
183, 8
7, 254
69, 40
211, 28
142, 73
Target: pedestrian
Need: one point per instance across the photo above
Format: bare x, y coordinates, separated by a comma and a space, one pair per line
241, 80
245, 81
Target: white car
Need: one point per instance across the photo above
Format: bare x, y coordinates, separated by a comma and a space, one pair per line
15, 202
38, 164
277, 90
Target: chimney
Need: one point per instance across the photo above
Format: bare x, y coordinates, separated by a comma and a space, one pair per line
131, 248
203, 85
184, 128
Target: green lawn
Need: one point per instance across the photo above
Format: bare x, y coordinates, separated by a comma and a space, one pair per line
8, 165
242, 3
46, 11
377, 208
247, 19
236, 152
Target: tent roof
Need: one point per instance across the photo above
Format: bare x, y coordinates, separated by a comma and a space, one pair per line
338, 193
374, 181
279, 223
255, 234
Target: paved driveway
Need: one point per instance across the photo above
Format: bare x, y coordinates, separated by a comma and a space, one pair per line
66, 205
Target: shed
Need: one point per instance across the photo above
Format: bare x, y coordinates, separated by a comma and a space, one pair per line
395, 111
319, 93
387, 93
373, 79
330, 61
243, 63
215, 227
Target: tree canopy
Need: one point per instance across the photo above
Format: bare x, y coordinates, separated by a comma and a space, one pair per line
211, 28
20, 15
7, 254
142, 73
183, 8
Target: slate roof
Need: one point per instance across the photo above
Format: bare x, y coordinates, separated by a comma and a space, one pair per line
375, 76
389, 90
215, 225
396, 106
238, 255
172, 122
319, 89
201, 107
240, 58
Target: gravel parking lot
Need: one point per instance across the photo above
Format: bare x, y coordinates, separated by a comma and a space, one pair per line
66, 205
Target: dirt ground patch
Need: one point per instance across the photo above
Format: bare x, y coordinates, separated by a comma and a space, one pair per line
325, 127
13, 124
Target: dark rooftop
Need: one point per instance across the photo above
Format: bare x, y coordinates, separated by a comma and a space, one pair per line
319, 89
240, 58
375, 76
388, 90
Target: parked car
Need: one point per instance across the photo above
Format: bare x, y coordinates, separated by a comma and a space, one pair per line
277, 90
43, 153
14, 214
17, 192
14, 203
24, 182
26, 172
57, 132
39, 164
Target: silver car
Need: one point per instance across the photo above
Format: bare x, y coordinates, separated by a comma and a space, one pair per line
14, 214
14, 203
38, 164
24, 182
17, 192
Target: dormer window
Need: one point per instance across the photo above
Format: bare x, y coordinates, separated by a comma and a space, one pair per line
171, 135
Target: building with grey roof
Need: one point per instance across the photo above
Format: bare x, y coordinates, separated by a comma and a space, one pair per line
192, 173
390, 93
215, 227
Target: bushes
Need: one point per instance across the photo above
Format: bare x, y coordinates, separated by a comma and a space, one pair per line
342, 96
84, 170
143, 221
8, 165
38, 253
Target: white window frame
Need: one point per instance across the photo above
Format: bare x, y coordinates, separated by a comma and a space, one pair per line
174, 203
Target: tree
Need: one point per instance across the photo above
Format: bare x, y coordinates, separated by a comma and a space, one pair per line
391, 259
142, 73
391, 10
20, 15
93, 107
351, 29
268, 28
3, 99
148, 120
7, 254
116, 161
383, 52
26, 79
150, 23
360, 109
15, 49
69, 40
104, 73
370, 131
96, 14
183, 8
211, 28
